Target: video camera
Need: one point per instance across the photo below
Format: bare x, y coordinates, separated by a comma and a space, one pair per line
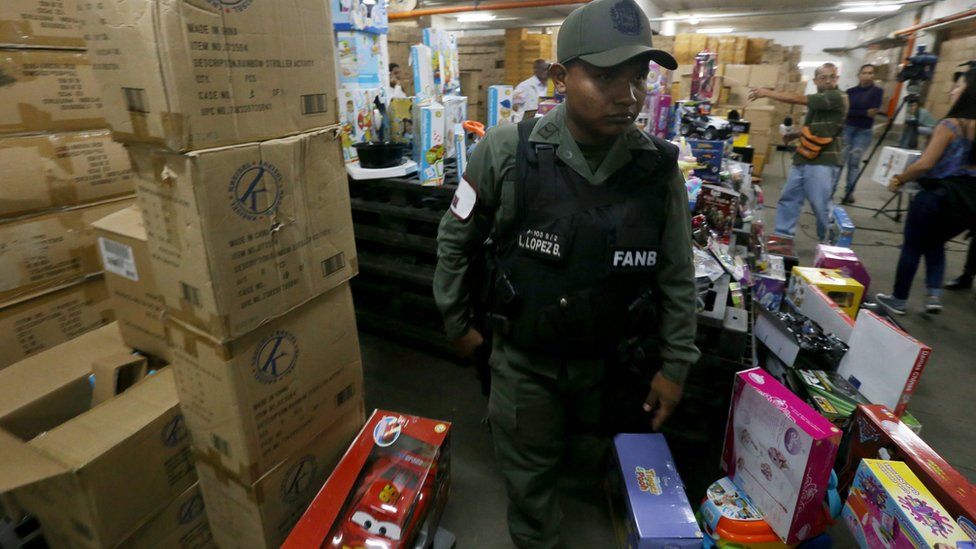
919, 67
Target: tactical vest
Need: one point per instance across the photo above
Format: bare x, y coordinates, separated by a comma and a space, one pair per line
576, 271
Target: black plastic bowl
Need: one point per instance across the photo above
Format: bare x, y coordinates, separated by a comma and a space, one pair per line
380, 155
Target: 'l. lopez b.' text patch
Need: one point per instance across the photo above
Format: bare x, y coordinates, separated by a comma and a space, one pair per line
543, 244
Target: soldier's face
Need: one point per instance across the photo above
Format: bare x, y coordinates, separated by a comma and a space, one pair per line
602, 102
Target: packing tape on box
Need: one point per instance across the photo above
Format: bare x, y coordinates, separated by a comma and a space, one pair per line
211, 457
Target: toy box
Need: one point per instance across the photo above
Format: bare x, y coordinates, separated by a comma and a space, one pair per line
797, 341
819, 308
889, 507
843, 290
651, 509
730, 520
369, 60
500, 110
356, 118
360, 15
780, 452
455, 112
770, 286
703, 76
709, 156
719, 205
400, 113
845, 260
892, 162
347, 58
830, 394
841, 228
884, 362
392, 483
429, 145
877, 434
421, 58
460, 138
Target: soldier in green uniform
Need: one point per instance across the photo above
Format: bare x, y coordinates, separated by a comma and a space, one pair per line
590, 220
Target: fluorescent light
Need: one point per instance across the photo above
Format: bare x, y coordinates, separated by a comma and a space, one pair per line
872, 8
476, 17
809, 64
693, 20
834, 26
714, 30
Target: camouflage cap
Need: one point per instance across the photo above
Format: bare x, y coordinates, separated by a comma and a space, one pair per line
608, 32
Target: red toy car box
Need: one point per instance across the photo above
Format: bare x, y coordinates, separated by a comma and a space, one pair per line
391, 485
876, 433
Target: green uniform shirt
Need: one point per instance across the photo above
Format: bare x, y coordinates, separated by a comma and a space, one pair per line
826, 112
491, 173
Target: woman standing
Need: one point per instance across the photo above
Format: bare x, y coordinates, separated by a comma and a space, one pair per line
945, 206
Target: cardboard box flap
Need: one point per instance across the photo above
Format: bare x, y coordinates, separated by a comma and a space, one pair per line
22, 465
127, 222
90, 435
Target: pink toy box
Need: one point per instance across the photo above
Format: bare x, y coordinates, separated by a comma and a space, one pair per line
836, 257
780, 452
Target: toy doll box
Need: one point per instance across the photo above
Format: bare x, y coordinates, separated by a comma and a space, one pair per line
780, 452
889, 507
657, 511
391, 484
877, 434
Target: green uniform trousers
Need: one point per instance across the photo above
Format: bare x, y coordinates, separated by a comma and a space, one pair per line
533, 419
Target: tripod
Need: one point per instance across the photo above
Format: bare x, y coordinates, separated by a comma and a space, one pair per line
910, 141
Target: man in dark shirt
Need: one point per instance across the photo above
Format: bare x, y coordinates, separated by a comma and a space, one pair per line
864, 100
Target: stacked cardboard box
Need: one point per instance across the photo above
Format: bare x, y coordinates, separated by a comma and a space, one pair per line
248, 238
482, 65
952, 53
74, 420
522, 48
58, 171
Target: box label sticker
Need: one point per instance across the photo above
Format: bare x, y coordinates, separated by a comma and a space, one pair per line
118, 259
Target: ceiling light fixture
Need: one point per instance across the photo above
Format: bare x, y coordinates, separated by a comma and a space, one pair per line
871, 8
715, 30
476, 17
693, 20
834, 26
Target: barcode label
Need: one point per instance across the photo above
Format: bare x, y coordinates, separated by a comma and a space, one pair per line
118, 259
333, 264
135, 100
313, 104
345, 394
191, 294
221, 445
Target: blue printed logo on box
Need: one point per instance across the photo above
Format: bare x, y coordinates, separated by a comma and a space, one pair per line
228, 6
174, 432
298, 479
191, 510
275, 357
255, 190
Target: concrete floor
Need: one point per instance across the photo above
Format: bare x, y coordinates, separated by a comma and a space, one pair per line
407, 380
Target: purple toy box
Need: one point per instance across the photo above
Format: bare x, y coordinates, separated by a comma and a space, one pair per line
836, 257
780, 452
648, 500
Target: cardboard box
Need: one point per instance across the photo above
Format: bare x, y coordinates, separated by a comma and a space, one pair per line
40, 23
260, 515
189, 75
754, 50
252, 402
131, 282
500, 107
114, 374
406, 455
647, 497
843, 290
48, 91
51, 249
780, 451
892, 162
764, 76
430, 143
889, 507
43, 172
45, 319
240, 235
421, 58
770, 287
761, 118
884, 362
844, 260
356, 106
68, 476
877, 434
736, 75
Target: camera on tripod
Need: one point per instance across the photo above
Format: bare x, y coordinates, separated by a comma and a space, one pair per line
918, 69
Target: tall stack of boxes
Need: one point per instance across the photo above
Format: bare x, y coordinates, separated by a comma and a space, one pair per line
522, 48
952, 53
482, 65
231, 123
59, 170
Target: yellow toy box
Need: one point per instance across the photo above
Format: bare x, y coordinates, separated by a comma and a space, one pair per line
843, 290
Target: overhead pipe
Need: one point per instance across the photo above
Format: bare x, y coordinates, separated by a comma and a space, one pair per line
936, 22
413, 14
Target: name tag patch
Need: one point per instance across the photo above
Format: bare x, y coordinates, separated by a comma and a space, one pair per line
629, 259
542, 243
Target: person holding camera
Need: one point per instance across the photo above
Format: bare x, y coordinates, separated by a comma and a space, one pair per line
946, 205
864, 100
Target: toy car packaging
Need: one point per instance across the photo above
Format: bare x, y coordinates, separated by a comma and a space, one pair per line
830, 394
780, 452
889, 507
877, 433
390, 487
648, 498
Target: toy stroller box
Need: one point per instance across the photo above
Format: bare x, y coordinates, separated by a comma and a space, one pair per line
889, 507
655, 511
780, 452
430, 145
391, 484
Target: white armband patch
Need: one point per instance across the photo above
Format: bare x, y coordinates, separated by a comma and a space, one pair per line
465, 198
